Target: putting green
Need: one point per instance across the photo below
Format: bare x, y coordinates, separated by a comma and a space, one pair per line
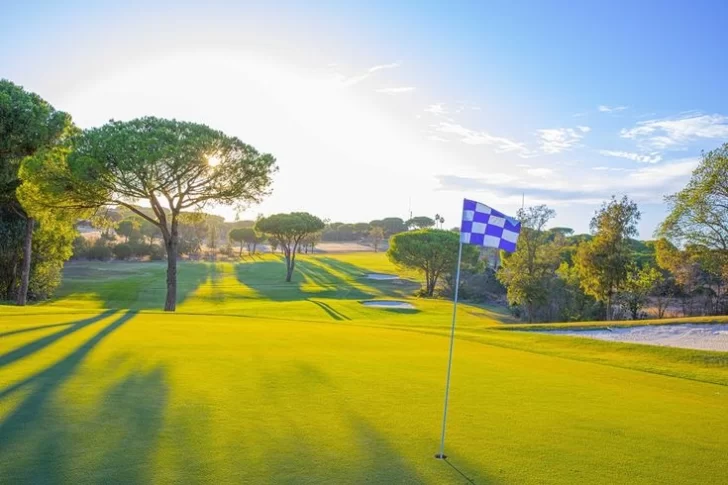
258, 382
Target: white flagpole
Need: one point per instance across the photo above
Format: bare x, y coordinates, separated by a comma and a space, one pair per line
441, 455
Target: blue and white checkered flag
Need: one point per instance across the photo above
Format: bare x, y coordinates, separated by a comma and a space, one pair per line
485, 226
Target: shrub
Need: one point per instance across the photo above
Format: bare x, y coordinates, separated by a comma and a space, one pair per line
139, 249
122, 251
46, 276
81, 247
99, 251
156, 252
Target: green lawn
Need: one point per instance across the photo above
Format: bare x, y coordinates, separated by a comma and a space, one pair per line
258, 381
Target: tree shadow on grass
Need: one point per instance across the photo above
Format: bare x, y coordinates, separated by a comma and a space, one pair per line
33, 329
119, 445
332, 312
46, 383
43, 342
402, 311
135, 407
382, 462
309, 281
140, 292
300, 456
399, 288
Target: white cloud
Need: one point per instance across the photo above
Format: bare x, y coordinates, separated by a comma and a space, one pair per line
645, 184
635, 157
472, 137
393, 91
557, 140
610, 109
438, 138
540, 172
584, 129
391, 65
351, 80
612, 169
678, 132
647, 176
436, 109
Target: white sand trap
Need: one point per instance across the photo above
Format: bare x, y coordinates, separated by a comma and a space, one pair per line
382, 277
397, 305
688, 336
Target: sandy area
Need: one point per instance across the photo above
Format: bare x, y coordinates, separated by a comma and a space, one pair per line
344, 247
689, 336
382, 276
399, 305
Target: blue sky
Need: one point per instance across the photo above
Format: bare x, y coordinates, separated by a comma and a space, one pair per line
370, 106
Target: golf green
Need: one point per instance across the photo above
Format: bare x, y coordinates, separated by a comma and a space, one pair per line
257, 381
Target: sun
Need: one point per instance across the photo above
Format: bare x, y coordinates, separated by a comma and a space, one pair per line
213, 160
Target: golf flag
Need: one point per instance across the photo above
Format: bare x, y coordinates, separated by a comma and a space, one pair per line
485, 226
481, 226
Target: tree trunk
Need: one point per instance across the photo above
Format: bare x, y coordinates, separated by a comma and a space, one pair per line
27, 255
609, 307
170, 304
289, 264
255, 245
530, 312
240, 254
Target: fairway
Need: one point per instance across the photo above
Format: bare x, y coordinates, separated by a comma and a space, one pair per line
259, 381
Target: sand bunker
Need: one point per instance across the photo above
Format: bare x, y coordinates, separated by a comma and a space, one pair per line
397, 305
688, 336
382, 277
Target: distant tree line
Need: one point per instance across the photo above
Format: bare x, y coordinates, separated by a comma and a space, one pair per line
143, 186
556, 275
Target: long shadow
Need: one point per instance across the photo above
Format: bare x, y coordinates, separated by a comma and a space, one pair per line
138, 292
459, 472
398, 288
350, 269
44, 342
119, 444
45, 384
309, 281
136, 406
385, 464
33, 329
333, 313
297, 455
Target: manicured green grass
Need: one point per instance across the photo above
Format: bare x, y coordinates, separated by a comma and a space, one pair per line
257, 381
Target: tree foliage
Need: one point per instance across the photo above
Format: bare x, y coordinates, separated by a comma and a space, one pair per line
602, 262
376, 234
30, 129
288, 230
431, 251
390, 225
699, 212
637, 287
528, 272
126, 227
173, 166
420, 222
247, 236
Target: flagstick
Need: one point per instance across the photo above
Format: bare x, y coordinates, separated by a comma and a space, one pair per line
441, 455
